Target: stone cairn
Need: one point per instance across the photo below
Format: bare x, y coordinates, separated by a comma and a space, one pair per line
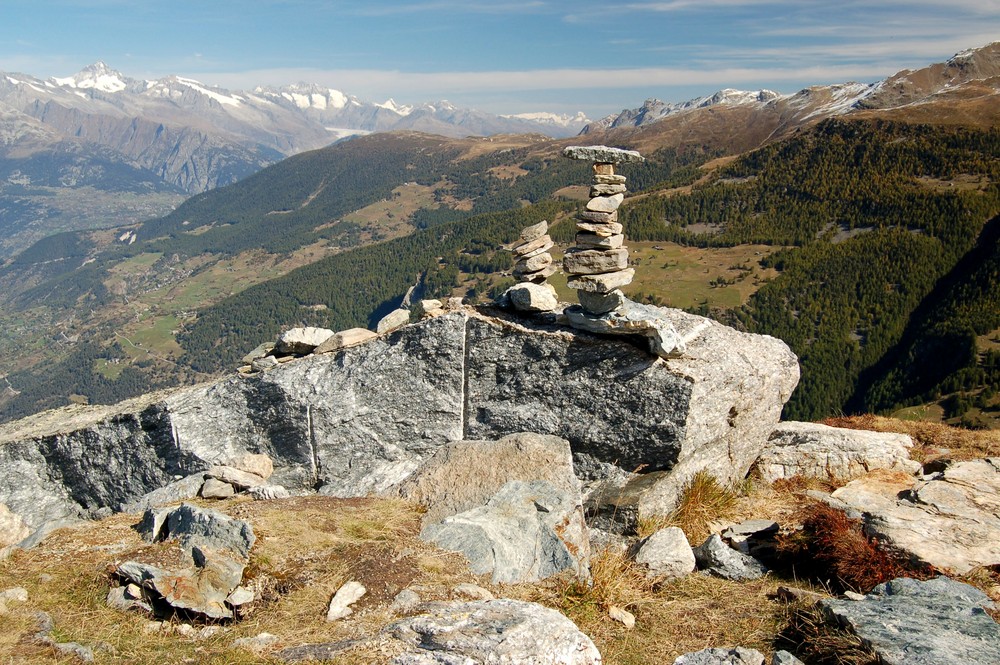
532, 266
532, 261
598, 266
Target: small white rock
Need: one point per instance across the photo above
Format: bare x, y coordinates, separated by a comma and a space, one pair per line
255, 643
471, 592
622, 616
18, 593
240, 596
346, 595
405, 602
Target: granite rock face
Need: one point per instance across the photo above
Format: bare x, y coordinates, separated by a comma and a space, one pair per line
362, 419
813, 450
909, 622
466, 474
950, 520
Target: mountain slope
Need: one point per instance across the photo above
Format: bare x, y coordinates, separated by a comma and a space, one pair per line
895, 204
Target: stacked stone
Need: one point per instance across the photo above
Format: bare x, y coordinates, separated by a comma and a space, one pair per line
598, 266
532, 260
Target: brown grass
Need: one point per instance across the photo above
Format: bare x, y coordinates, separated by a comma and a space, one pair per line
306, 548
702, 502
832, 548
672, 618
931, 440
815, 641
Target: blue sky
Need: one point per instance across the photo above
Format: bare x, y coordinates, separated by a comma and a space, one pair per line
498, 56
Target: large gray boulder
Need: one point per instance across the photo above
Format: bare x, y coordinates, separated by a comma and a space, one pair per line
526, 532
492, 631
812, 450
362, 419
950, 521
708, 409
909, 622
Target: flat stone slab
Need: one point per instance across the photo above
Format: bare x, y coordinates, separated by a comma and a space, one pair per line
594, 261
346, 338
910, 622
603, 283
722, 656
950, 521
602, 154
631, 318
492, 631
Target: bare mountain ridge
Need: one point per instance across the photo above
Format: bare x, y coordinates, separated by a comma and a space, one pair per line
963, 89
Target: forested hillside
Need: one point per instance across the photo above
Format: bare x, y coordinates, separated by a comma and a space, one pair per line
882, 252
869, 212
879, 213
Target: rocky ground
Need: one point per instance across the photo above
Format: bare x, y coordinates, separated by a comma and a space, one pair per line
477, 488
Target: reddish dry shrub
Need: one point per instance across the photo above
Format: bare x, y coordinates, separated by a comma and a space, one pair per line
835, 549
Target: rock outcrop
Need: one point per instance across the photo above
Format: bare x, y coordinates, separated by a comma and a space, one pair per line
909, 622
214, 552
492, 631
361, 420
950, 520
812, 450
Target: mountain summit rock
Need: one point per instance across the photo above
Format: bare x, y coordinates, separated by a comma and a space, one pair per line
363, 419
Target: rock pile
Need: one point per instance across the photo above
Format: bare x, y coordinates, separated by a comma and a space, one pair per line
598, 265
532, 260
214, 552
532, 266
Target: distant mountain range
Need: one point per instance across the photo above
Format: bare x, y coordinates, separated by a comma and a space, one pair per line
196, 136
972, 76
100, 149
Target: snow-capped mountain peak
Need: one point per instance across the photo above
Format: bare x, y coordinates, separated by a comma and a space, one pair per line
391, 105
307, 96
98, 76
556, 119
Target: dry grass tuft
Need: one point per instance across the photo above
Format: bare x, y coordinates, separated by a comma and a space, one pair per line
832, 548
929, 438
672, 618
703, 501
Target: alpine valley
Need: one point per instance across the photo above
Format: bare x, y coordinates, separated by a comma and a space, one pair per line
98, 148
859, 223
